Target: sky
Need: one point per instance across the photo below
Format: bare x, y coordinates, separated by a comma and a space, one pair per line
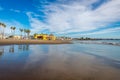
72, 18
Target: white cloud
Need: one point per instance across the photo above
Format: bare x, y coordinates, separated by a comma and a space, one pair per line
77, 16
117, 29
36, 24
17, 11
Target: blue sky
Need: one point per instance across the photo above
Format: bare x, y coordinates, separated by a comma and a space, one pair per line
75, 18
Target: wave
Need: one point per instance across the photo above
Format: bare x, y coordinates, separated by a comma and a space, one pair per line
99, 42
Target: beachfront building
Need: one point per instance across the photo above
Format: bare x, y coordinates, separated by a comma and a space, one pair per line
2, 36
45, 37
64, 38
52, 37
14, 37
17, 37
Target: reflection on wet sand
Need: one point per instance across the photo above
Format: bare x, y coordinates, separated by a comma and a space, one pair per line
11, 49
23, 47
20, 48
59, 62
1, 50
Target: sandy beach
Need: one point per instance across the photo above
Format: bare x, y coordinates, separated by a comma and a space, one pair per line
12, 41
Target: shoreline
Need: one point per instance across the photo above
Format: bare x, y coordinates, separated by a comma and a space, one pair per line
13, 41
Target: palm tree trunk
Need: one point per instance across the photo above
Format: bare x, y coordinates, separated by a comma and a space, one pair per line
3, 33
0, 32
21, 35
24, 34
11, 32
28, 35
14, 32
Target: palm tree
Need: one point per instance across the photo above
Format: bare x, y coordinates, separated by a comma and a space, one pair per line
14, 29
2, 25
28, 33
24, 32
11, 30
21, 30
35, 34
0, 29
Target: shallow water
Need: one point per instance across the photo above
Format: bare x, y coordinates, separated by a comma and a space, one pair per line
105, 42
60, 62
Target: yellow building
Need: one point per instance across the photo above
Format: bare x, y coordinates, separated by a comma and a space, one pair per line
45, 37
52, 37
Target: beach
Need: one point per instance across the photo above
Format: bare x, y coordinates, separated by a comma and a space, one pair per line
29, 41
60, 62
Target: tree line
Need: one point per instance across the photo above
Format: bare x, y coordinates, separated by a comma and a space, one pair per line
13, 28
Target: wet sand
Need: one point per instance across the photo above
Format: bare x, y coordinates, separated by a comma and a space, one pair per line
55, 62
13, 41
59, 67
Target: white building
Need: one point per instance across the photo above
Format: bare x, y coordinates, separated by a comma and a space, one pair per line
17, 37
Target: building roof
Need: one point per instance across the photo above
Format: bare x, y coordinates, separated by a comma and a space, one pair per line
51, 35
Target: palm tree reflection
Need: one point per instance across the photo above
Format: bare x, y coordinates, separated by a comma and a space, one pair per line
19, 47
24, 47
11, 49
1, 50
